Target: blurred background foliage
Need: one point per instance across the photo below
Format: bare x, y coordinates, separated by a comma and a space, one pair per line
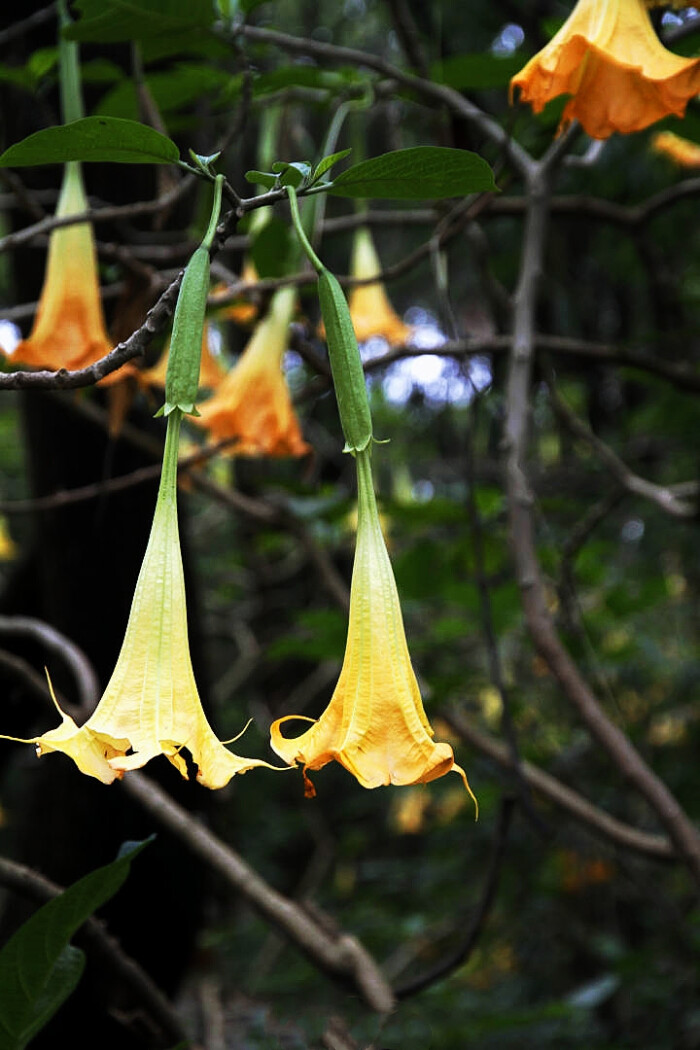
586, 944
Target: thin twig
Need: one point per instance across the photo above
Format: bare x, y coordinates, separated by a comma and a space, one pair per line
459, 956
339, 955
97, 215
44, 14
440, 93
573, 803
80, 667
662, 495
522, 533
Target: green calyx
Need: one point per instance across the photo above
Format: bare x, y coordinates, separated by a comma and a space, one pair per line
344, 355
182, 376
346, 365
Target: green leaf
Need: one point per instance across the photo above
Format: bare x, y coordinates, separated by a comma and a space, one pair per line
299, 75
324, 165
420, 173
292, 174
36, 971
62, 981
477, 71
93, 139
261, 178
183, 85
110, 21
273, 249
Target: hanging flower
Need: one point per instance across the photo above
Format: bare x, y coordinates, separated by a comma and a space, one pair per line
242, 311
252, 404
151, 705
375, 724
370, 310
69, 328
609, 59
211, 372
680, 150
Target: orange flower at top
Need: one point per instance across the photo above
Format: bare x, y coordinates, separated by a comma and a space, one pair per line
252, 404
680, 150
69, 328
609, 59
375, 724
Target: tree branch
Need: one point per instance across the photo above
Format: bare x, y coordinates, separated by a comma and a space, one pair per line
459, 956
440, 93
340, 956
520, 502
599, 822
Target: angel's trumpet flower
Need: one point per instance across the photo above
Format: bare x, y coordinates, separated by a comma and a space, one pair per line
251, 406
69, 327
618, 73
151, 705
375, 724
370, 310
681, 151
211, 373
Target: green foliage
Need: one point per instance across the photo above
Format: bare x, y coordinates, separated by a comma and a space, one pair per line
273, 249
38, 967
418, 173
111, 21
476, 71
93, 139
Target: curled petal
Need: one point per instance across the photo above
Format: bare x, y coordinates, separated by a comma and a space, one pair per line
375, 724
609, 59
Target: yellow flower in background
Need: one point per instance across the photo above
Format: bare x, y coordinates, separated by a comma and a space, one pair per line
609, 59
371, 312
151, 705
375, 724
69, 328
677, 149
242, 312
8, 547
211, 372
252, 405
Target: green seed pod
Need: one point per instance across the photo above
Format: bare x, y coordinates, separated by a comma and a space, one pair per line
346, 365
182, 376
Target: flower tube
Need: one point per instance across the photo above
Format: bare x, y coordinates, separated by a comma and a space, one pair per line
69, 328
609, 59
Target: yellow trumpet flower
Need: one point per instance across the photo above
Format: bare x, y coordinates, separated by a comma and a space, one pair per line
151, 705
242, 312
370, 310
375, 724
680, 150
252, 405
69, 327
609, 59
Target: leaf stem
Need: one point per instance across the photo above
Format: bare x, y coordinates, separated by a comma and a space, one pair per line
69, 70
305, 243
